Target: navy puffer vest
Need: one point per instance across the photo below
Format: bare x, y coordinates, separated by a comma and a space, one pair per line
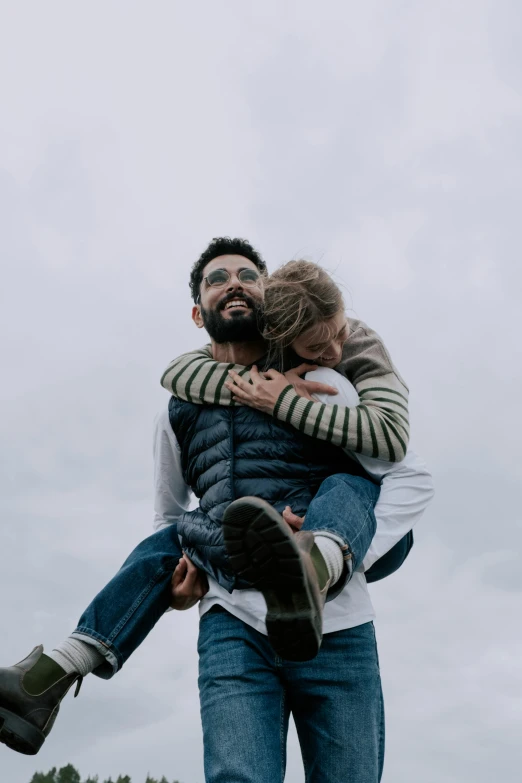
227, 453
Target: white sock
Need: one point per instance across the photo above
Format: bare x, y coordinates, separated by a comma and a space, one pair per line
333, 555
73, 655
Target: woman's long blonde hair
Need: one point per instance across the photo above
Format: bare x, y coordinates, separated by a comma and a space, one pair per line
298, 296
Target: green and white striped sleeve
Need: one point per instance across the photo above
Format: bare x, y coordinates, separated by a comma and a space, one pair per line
379, 426
197, 377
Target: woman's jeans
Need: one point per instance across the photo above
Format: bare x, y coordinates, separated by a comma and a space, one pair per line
129, 606
247, 694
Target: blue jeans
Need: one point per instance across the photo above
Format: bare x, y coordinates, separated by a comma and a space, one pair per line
344, 506
129, 606
247, 694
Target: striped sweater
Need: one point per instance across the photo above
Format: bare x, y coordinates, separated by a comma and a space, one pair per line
377, 427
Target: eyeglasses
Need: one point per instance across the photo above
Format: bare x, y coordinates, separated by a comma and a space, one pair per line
220, 277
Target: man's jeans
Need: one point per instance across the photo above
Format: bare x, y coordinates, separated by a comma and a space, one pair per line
129, 606
247, 694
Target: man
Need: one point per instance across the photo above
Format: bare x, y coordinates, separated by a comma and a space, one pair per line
247, 689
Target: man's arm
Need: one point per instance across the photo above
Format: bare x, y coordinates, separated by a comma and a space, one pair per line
171, 499
171, 494
406, 487
406, 492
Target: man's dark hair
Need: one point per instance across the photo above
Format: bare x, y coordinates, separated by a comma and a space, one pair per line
222, 246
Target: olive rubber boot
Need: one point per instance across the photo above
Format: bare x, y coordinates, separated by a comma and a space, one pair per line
286, 567
30, 696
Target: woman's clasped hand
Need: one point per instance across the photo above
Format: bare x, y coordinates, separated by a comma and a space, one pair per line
264, 388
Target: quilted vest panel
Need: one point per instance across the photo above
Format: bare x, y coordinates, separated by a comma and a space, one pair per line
228, 453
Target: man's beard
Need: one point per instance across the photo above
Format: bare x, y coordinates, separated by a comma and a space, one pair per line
240, 328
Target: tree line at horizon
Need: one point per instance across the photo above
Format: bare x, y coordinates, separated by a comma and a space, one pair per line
70, 774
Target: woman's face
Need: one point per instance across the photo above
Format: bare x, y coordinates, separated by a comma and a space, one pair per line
313, 345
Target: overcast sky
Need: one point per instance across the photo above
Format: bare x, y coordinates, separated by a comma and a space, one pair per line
384, 140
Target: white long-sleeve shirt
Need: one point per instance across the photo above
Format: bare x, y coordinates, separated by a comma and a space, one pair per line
406, 490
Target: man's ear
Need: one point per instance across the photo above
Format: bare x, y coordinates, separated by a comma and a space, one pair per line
196, 316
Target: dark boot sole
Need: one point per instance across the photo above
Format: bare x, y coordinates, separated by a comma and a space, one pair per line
18, 734
261, 550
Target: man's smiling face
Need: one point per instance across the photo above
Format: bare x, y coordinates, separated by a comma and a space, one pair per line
231, 312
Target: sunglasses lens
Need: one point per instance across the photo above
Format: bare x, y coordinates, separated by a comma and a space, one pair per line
218, 277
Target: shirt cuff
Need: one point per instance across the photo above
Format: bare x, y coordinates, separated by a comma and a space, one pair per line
283, 402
